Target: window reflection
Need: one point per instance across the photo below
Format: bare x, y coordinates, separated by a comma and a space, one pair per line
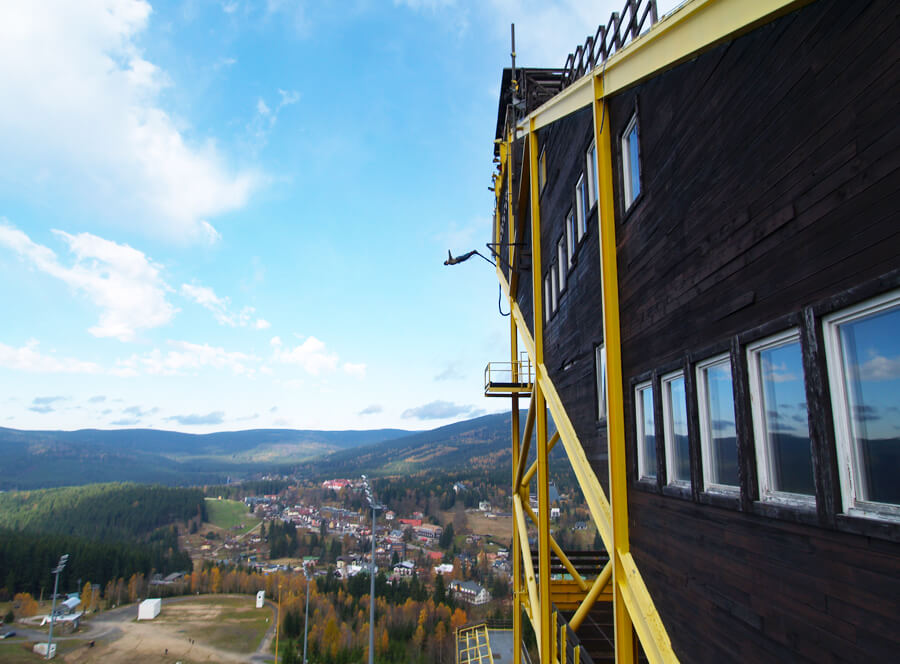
870, 349
721, 438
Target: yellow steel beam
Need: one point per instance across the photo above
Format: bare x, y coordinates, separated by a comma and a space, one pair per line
539, 406
519, 465
526, 479
646, 620
597, 587
695, 27
530, 581
517, 563
609, 287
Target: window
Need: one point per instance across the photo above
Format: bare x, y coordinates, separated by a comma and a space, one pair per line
547, 297
631, 162
591, 171
581, 209
863, 359
645, 430
562, 262
780, 419
542, 169
675, 430
718, 434
600, 373
571, 236
554, 289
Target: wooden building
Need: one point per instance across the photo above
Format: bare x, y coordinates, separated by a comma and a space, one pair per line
697, 228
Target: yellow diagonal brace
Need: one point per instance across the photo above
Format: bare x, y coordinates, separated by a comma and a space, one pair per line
644, 616
558, 551
526, 445
526, 480
530, 581
598, 587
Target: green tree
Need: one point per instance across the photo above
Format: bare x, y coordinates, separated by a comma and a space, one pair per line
446, 539
440, 592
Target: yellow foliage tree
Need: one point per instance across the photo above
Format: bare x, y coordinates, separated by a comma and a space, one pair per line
215, 580
24, 605
87, 597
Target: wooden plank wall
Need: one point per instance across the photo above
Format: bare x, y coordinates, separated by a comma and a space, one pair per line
577, 326
771, 190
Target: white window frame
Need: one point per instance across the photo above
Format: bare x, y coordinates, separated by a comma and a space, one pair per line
547, 297
554, 290
600, 374
581, 207
542, 169
848, 460
562, 262
590, 159
760, 432
668, 429
628, 185
571, 236
706, 453
639, 430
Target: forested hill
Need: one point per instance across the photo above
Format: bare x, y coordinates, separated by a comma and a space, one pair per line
108, 530
101, 511
37, 459
483, 442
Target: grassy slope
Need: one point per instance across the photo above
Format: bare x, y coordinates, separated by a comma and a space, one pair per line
229, 513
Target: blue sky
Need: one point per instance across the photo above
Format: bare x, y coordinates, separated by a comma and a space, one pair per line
229, 215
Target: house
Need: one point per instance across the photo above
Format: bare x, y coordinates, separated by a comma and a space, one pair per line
428, 532
469, 592
405, 568
695, 231
444, 568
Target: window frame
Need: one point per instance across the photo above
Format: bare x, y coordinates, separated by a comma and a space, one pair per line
628, 188
760, 432
600, 380
562, 262
571, 236
847, 451
547, 311
554, 290
542, 169
590, 159
581, 210
639, 432
705, 429
668, 437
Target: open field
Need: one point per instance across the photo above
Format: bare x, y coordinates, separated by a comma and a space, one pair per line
227, 514
210, 628
499, 528
19, 652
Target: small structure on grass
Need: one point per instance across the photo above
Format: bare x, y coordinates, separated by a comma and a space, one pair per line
260, 599
149, 609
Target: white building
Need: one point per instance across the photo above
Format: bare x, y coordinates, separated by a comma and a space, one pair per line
470, 592
149, 609
260, 599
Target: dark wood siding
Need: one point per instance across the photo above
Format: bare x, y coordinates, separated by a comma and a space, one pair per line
770, 185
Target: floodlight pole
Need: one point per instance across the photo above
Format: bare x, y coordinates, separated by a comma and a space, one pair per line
375, 506
59, 568
306, 620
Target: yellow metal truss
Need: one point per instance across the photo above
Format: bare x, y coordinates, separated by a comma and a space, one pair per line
697, 26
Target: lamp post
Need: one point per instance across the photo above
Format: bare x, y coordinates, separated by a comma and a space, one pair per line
375, 506
57, 571
306, 620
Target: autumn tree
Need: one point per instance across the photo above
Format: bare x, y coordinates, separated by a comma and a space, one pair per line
87, 597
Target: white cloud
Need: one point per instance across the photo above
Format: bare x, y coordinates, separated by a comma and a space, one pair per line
29, 358
82, 107
311, 355
121, 281
358, 370
880, 368
221, 307
186, 357
265, 118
